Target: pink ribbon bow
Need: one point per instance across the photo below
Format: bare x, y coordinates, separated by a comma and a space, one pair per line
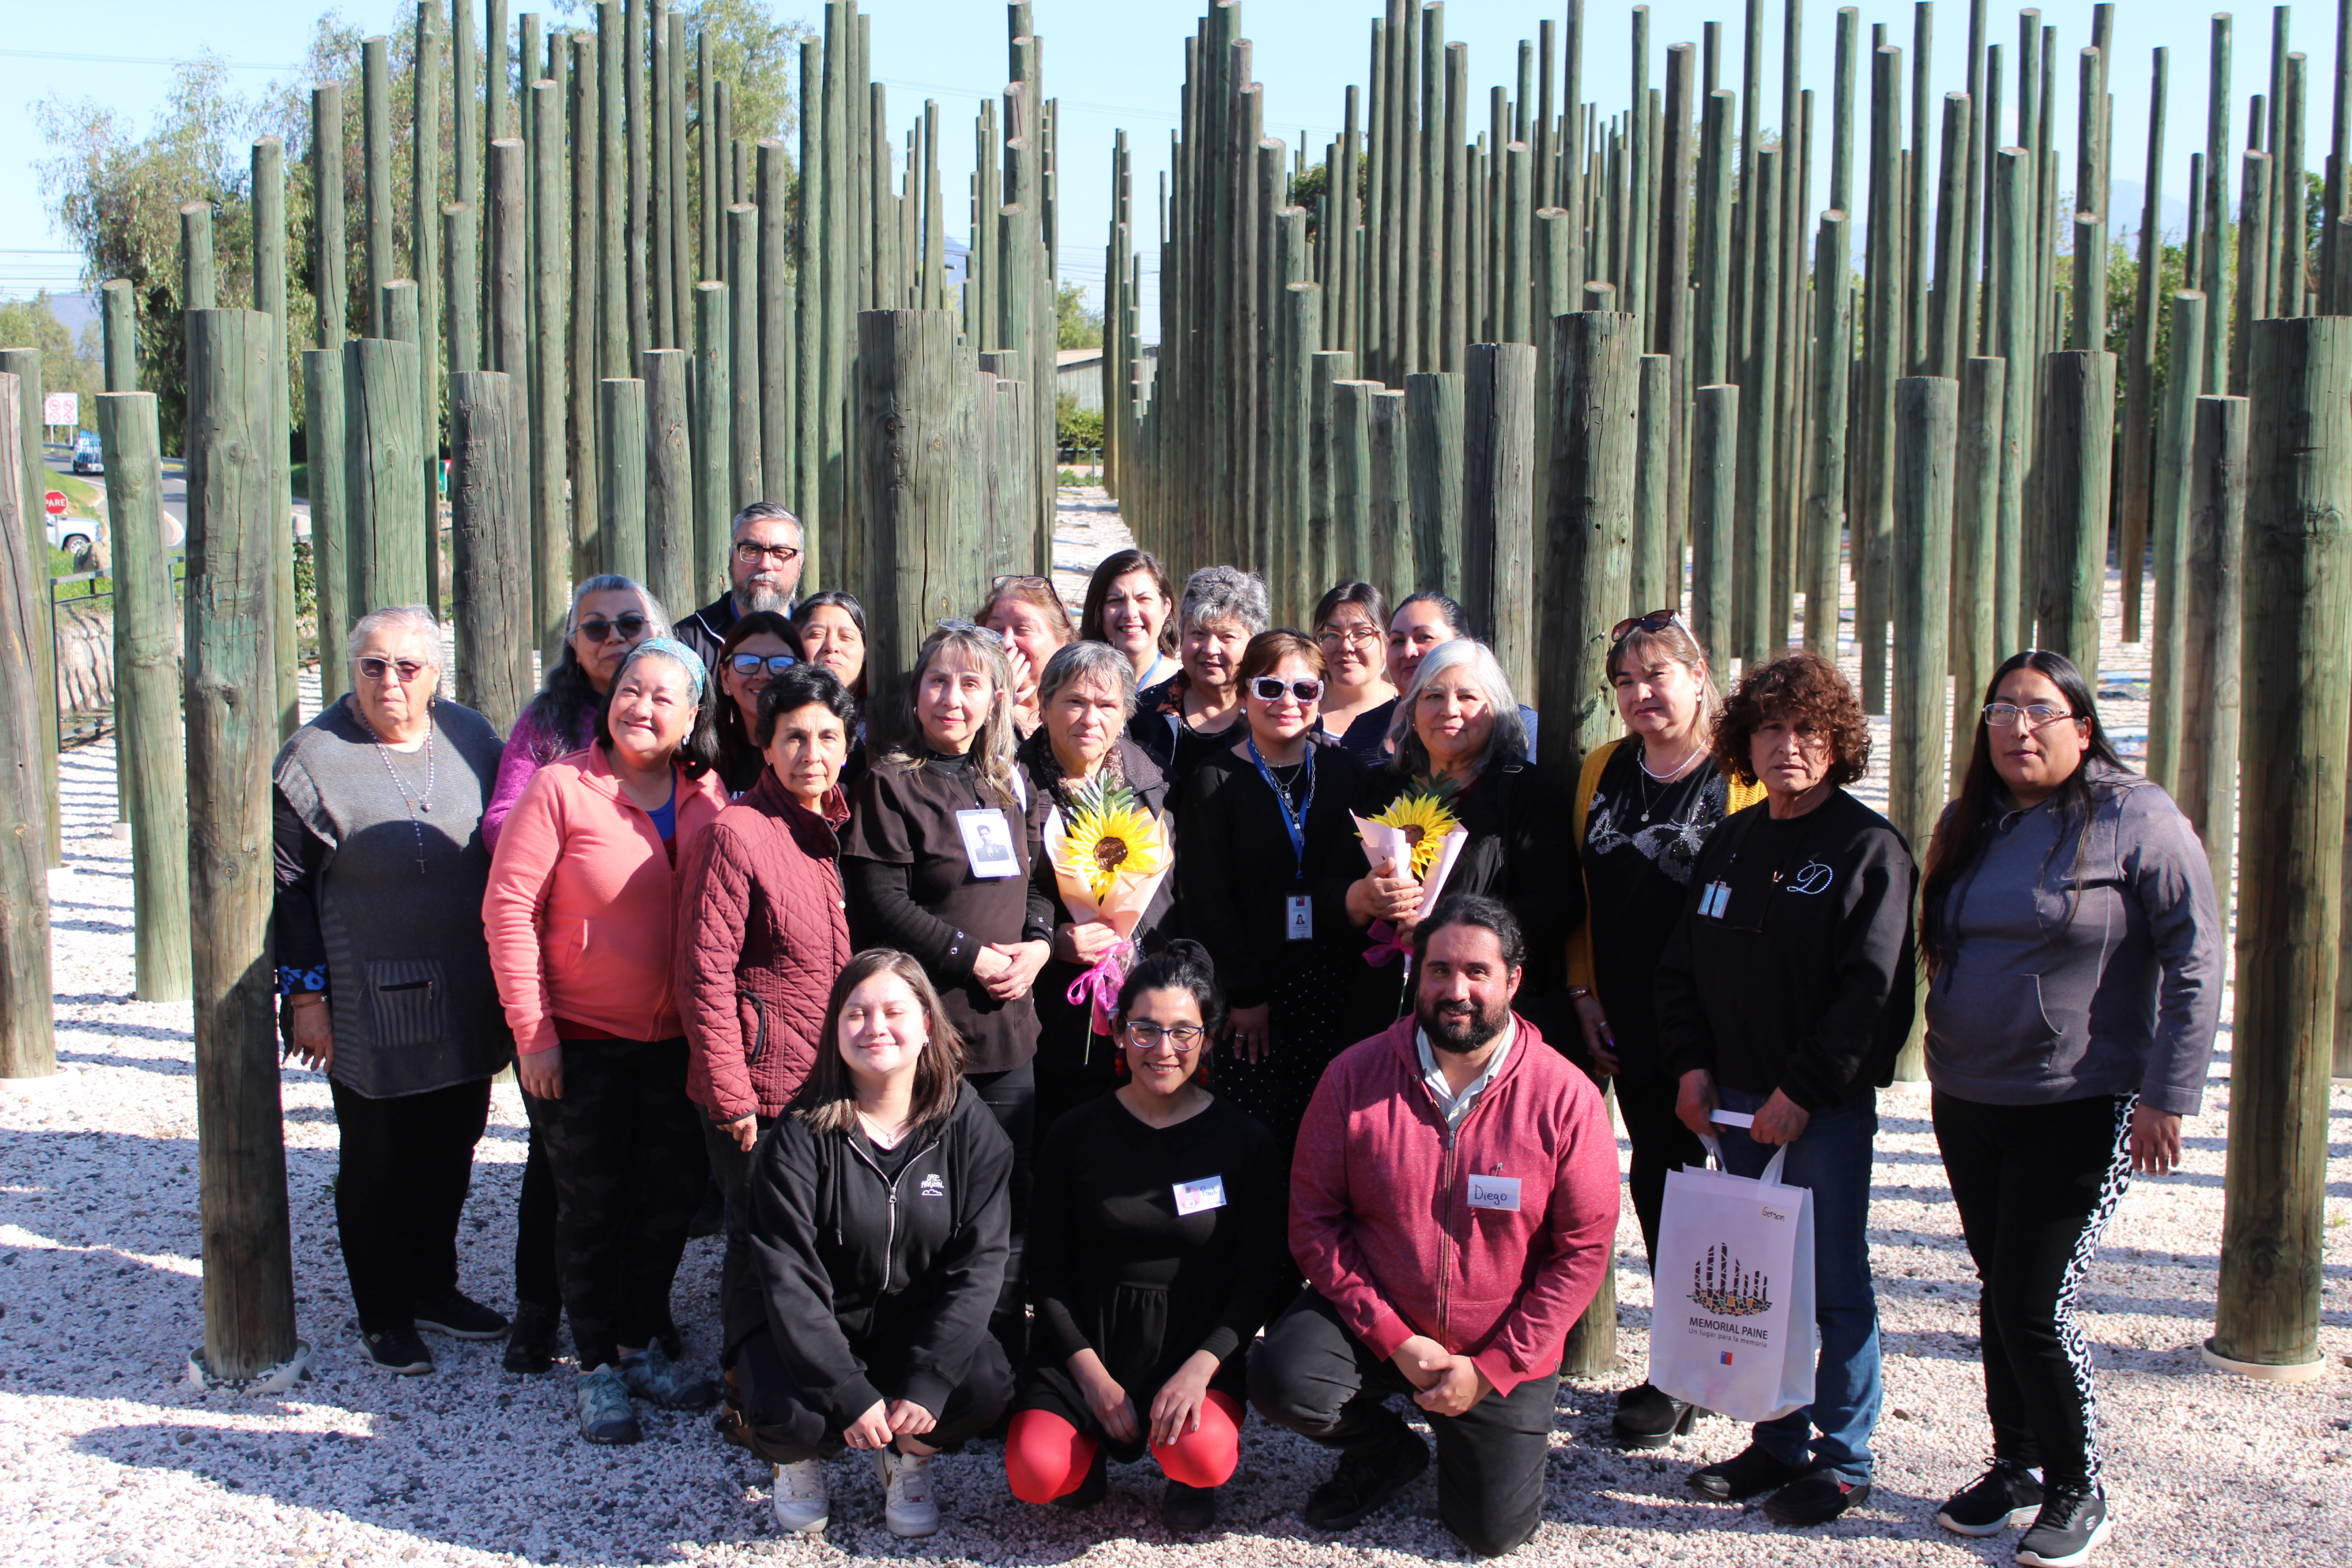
1099, 986
1387, 947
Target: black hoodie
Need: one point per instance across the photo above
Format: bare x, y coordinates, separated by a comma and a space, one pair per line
853, 1270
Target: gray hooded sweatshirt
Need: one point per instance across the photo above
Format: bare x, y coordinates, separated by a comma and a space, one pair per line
2074, 975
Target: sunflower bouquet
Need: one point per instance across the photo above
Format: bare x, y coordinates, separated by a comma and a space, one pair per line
1420, 837
1109, 856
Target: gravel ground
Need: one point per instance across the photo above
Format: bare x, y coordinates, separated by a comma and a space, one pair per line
107, 1456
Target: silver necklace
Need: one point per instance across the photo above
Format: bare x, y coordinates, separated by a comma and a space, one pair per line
422, 803
1641, 760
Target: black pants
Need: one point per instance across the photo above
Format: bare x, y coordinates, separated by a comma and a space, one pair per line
536, 1284
400, 1185
1661, 1142
624, 1146
1011, 1097
1311, 1374
731, 1168
785, 1429
2035, 1185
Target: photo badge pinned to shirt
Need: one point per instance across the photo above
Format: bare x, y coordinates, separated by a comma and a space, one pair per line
1301, 925
1199, 1197
988, 844
1495, 1193
1714, 898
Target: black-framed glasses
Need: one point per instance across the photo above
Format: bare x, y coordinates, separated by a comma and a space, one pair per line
1182, 1038
2005, 715
1655, 621
598, 628
1274, 689
753, 555
748, 664
374, 669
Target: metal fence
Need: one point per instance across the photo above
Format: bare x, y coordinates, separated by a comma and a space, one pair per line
80, 724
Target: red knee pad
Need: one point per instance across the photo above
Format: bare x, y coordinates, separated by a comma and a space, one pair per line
1209, 1457
1046, 1456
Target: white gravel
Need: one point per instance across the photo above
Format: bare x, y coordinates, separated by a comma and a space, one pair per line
107, 1456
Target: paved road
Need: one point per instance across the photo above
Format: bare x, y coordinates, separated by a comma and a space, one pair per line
175, 493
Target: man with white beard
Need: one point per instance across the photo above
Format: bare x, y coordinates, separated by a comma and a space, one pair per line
763, 571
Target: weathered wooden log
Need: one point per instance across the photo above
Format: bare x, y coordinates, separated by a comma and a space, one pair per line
269, 297
1715, 487
1351, 479
1926, 437
1657, 576
1393, 557
330, 291
1434, 404
375, 154
1976, 507
234, 513
2211, 616
666, 566
331, 551
778, 323
2297, 691
382, 478
2176, 441
713, 407
2136, 481
489, 548
27, 1041
621, 441
1498, 513
2078, 414
28, 477
550, 523
746, 469
1832, 380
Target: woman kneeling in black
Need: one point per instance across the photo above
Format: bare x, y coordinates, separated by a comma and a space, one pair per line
1156, 1255
879, 1227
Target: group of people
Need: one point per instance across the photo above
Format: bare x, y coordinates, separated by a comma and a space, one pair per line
1293, 1135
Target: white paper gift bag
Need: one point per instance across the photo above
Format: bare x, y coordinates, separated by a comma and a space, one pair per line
1733, 1328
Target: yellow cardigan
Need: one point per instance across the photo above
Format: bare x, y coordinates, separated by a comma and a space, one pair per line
1580, 941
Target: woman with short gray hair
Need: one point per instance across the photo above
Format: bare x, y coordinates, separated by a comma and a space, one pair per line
1085, 698
383, 975
1197, 710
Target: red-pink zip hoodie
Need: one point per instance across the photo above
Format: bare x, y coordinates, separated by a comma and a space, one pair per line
1381, 1218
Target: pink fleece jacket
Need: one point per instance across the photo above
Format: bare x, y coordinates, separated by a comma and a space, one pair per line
1380, 1219
582, 906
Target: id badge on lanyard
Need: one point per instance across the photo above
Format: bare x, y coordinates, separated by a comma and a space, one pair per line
1299, 908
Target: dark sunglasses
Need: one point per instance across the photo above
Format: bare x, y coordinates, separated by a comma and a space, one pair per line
1271, 688
1655, 621
751, 663
373, 668
599, 629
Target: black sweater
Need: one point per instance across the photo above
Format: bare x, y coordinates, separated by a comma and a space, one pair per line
862, 1275
1114, 1269
1235, 869
1805, 981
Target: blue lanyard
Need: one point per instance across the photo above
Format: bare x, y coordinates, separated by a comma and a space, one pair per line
1293, 823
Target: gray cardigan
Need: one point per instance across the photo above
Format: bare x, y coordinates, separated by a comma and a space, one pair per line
2053, 993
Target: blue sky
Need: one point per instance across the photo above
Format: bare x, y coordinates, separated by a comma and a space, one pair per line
1120, 64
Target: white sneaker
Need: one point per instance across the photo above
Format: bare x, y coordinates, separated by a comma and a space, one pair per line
802, 1504
907, 1506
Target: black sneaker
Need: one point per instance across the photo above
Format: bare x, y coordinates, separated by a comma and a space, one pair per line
1814, 1498
2004, 1495
1367, 1478
461, 1318
1093, 1489
1188, 1510
1652, 1420
531, 1343
2071, 1523
1744, 1475
397, 1350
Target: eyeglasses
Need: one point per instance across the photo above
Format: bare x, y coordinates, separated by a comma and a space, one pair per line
751, 663
1350, 637
751, 554
1655, 621
2005, 715
373, 668
599, 629
989, 632
1182, 1038
1272, 688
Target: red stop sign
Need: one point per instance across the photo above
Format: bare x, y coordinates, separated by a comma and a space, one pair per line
54, 503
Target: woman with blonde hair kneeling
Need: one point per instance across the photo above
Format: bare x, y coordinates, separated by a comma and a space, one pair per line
880, 1222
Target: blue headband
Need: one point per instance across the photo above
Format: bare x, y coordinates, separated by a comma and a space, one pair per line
685, 656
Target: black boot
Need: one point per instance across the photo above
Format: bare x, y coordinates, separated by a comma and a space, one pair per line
531, 1343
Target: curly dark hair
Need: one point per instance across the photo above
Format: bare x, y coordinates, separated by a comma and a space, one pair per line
1804, 687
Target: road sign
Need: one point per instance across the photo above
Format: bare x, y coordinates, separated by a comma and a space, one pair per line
61, 409
54, 503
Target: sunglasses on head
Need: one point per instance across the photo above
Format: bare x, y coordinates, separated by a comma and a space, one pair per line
1655, 621
1272, 688
599, 628
751, 663
373, 668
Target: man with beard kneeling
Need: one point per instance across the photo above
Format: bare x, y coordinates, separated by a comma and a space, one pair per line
1462, 1303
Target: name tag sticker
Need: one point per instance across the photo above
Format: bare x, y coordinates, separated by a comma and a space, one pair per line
1302, 919
988, 844
1495, 1193
1198, 1198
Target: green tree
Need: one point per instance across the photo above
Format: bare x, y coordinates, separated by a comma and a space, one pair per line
1075, 326
66, 365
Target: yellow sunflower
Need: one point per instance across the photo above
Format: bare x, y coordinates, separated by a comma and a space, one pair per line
1106, 835
1426, 819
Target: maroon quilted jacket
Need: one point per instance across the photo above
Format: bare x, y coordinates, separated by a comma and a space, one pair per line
761, 936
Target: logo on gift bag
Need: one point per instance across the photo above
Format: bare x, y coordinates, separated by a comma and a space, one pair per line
1722, 1287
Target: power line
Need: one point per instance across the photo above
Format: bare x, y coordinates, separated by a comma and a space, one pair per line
142, 60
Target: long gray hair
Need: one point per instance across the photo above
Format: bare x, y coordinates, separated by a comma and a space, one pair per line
992, 748
1507, 741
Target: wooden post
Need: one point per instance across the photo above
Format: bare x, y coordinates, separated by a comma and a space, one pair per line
621, 443
2078, 412
1351, 479
146, 696
1656, 554
382, 475
779, 333
2211, 616
585, 463
330, 557
461, 250
269, 297
424, 267
1392, 555
489, 548
667, 564
1433, 405
2012, 338
1756, 635
714, 483
229, 696
375, 152
2175, 444
120, 310
1832, 380
1498, 513
27, 1042
1976, 507
1927, 434
746, 471
551, 530
1714, 482
2297, 668
2253, 261
2136, 484
30, 475
328, 291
